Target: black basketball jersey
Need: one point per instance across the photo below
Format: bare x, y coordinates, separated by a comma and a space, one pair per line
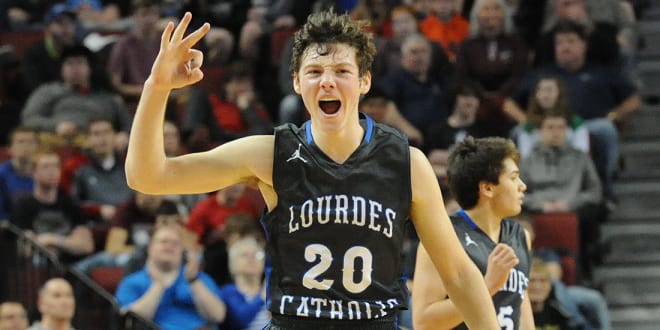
335, 237
478, 245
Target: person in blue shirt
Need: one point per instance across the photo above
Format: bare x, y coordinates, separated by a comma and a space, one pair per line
172, 294
246, 296
16, 173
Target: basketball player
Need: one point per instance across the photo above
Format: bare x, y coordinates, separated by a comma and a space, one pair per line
485, 181
338, 189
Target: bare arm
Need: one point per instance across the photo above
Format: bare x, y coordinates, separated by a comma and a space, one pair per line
147, 304
433, 308
625, 108
148, 169
209, 306
459, 275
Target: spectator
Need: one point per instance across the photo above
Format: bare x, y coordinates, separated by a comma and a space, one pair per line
52, 217
16, 173
101, 185
552, 308
562, 179
13, 316
131, 57
599, 94
208, 219
246, 296
95, 14
460, 124
56, 304
445, 25
213, 119
173, 294
66, 107
550, 95
42, 60
418, 93
129, 231
495, 59
382, 110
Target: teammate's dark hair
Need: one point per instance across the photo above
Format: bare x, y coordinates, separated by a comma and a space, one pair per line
474, 161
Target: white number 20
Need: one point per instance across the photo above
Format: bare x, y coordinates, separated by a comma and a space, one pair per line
321, 253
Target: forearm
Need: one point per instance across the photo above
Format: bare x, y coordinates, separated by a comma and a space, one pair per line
77, 245
147, 304
439, 315
208, 305
625, 108
146, 155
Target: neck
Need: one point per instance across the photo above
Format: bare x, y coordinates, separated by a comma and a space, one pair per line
341, 143
248, 284
21, 166
51, 323
487, 220
44, 193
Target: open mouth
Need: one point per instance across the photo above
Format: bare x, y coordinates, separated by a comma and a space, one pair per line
330, 107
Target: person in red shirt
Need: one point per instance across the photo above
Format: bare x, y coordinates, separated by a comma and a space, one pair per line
207, 220
445, 25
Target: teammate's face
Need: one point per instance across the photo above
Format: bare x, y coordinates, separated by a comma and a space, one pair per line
510, 191
330, 84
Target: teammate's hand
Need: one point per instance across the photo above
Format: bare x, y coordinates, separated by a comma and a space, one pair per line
500, 262
177, 64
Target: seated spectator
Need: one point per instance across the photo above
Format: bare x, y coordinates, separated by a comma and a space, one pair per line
550, 96
562, 179
219, 44
419, 94
494, 58
172, 293
246, 296
552, 308
95, 14
66, 107
445, 25
16, 173
13, 316
41, 61
208, 220
460, 124
100, 185
131, 57
601, 95
52, 217
56, 304
211, 119
382, 110
128, 235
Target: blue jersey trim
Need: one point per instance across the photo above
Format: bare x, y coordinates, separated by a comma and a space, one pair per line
367, 135
467, 218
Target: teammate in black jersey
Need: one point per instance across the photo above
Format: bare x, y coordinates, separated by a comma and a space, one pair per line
338, 189
485, 180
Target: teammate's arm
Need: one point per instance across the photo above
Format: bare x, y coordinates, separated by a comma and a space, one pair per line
147, 168
432, 308
460, 276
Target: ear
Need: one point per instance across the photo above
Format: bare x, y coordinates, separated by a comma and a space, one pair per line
365, 83
296, 83
486, 189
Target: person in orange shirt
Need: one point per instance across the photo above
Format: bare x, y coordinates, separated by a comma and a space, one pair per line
445, 25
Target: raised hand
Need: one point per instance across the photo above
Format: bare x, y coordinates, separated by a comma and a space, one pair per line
177, 64
500, 262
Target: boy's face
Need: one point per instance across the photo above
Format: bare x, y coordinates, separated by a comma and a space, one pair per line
553, 131
330, 84
509, 192
540, 285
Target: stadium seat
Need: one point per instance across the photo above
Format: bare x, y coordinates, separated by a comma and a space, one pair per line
559, 231
108, 277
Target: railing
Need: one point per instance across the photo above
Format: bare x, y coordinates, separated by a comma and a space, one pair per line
25, 266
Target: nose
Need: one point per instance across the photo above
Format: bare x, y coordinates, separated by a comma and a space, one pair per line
327, 80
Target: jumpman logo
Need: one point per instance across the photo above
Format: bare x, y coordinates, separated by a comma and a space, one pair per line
469, 240
296, 155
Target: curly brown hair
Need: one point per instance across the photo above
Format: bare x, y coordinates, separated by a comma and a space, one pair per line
326, 28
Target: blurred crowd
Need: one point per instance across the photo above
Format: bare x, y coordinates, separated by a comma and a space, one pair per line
558, 77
